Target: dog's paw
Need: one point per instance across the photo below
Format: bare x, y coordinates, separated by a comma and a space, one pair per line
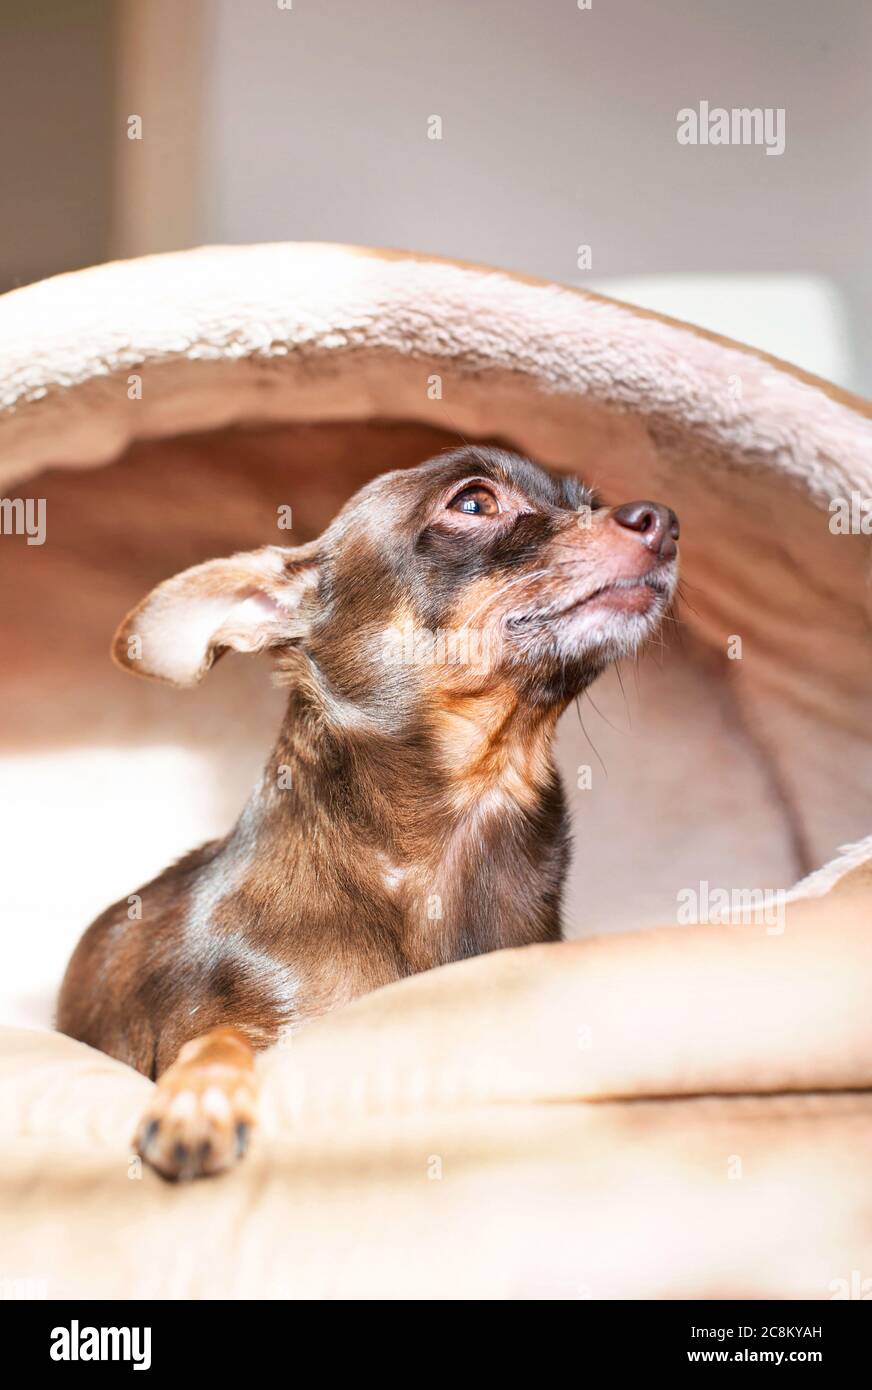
198, 1122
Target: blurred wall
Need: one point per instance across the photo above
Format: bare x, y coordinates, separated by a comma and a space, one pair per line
558, 130
56, 80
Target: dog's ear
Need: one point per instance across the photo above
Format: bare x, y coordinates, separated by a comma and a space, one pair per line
247, 602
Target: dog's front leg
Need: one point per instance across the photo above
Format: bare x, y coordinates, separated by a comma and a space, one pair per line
203, 1108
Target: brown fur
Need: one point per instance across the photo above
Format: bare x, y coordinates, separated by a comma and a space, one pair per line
409, 814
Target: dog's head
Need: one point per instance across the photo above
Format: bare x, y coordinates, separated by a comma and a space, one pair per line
476, 574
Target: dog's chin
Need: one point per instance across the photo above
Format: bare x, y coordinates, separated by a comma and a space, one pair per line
625, 600
556, 657
617, 621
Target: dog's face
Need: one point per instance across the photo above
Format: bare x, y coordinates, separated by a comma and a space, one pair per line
474, 574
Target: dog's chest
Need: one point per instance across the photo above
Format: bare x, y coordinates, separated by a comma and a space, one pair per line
495, 882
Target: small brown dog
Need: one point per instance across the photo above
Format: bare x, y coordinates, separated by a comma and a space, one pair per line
410, 813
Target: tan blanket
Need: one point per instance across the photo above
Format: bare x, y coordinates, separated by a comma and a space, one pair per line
678, 1113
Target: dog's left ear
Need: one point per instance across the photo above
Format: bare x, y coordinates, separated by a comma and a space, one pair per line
247, 602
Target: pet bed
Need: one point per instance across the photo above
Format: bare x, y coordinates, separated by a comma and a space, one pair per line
674, 1112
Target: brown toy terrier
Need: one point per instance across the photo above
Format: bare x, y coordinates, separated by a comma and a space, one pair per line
410, 813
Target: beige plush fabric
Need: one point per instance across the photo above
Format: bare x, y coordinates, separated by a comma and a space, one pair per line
669, 1114
676, 1112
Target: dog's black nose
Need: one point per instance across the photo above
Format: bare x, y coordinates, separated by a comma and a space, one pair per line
657, 526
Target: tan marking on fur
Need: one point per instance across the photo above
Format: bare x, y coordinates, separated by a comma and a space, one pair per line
490, 745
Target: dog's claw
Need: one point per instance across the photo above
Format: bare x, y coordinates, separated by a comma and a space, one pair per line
147, 1135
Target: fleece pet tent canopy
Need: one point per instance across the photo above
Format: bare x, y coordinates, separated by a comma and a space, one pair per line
170, 409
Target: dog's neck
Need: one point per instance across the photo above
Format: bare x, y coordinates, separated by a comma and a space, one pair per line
406, 783
449, 826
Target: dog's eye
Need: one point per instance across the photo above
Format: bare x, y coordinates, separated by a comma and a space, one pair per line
475, 501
